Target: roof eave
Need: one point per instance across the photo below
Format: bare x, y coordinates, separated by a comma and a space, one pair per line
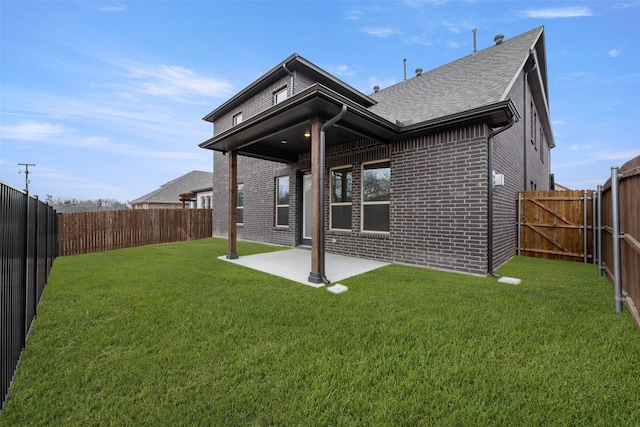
314, 91
292, 62
495, 115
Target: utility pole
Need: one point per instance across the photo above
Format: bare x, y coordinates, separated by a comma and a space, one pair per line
26, 174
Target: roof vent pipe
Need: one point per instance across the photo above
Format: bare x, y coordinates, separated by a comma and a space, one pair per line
475, 49
498, 39
405, 68
376, 88
418, 71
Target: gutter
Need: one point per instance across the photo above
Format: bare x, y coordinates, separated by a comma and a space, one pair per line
490, 194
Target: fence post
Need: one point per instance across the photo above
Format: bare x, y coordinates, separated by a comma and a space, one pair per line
593, 227
599, 228
615, 214
519, 220
584, 234
25, 273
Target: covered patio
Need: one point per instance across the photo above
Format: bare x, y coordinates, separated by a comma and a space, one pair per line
306, 123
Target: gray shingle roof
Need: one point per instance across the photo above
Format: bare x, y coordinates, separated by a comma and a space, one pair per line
474, 81
170, 192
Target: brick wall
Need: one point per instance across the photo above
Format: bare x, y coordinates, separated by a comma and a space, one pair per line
509, 160
438, 209
249, 108
258, 178
438, 200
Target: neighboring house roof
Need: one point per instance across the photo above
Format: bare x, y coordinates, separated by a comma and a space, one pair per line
171, 191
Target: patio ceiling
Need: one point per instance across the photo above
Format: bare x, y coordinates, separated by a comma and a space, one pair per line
278, 133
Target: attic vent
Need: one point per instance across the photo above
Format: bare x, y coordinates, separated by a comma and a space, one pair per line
418, 71
499, 38
376, 89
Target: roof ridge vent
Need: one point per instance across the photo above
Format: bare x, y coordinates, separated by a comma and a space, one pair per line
499, 38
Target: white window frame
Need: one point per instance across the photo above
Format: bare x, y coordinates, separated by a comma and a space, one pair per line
237, 118
288, 205
363, 203
332, 203
278, 93
238, 207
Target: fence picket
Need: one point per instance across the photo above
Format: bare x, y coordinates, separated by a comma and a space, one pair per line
99, 231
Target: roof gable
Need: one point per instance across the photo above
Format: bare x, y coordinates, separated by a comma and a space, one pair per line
476, 80
306, 71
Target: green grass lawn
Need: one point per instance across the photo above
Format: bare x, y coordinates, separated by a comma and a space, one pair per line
170, 335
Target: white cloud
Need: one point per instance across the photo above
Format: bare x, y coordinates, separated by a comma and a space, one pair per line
353, 15
30, 131
626, 5
574, 76
419, 40
598, 156
560, 12
177, 81
381, 32
614, 53
341, 70
558, 122
112, 7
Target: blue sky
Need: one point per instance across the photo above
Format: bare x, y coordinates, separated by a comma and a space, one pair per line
107, 97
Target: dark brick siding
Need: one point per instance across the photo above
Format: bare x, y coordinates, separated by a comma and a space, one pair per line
509, 154
260, 102
438, 209
255, 105
258, 177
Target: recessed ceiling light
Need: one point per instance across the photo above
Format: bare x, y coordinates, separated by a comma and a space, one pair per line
283, 142
307, 134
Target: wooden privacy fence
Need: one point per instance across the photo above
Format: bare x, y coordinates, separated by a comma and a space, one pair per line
625, 258
85, 232
557, 225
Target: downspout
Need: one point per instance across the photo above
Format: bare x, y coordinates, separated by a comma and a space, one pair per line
490, 195
524, 133
284, 67
324, 127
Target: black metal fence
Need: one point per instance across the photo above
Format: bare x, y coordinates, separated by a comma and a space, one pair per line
28, 238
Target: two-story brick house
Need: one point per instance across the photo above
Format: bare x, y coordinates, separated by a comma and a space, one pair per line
405, 174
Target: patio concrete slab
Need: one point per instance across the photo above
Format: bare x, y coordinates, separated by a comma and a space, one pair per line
295, 264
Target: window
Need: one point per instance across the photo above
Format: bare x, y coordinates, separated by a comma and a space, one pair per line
240, 205
535, 131
341, 181
532, 126
282, 201
541, 146
376, 192
280, 95
237, 118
